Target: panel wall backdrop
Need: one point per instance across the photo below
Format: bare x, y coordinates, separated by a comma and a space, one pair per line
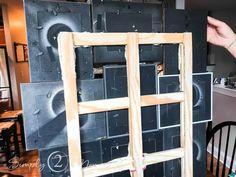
101, 74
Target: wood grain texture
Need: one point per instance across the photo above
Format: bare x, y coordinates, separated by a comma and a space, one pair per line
135, 161
163, 156
67, 62
123, 103
182, 113
113, 166
135, 124
98, 39
186, 106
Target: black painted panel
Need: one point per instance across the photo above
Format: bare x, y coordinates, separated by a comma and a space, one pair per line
116, 86
44, 113
55, 161
172, 140
111, 16
186, 21
44, 20
118, 147
169, 113
202, 99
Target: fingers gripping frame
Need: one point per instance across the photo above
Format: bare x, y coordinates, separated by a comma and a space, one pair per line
136, 160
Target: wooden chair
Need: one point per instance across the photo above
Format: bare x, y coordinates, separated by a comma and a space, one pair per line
17, 117
215, 143
8, 137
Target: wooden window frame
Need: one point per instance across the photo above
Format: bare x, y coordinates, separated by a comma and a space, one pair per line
136, 161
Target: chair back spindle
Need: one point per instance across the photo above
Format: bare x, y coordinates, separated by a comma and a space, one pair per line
223, 167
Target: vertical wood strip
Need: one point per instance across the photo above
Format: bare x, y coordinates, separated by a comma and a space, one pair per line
67, 62
186, 107
182, 114
135, 126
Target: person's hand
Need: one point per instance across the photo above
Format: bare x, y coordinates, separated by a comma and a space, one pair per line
219, 33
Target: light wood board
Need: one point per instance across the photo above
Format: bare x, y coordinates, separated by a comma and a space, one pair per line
136, 161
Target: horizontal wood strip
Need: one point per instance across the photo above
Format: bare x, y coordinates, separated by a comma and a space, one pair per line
165, 98
113, 166
160, 38
163, 156
125, 163
98, 39
123, 103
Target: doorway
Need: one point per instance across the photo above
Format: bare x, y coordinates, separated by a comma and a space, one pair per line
6, 102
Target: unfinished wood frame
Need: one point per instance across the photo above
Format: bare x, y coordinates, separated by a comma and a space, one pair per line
136, 161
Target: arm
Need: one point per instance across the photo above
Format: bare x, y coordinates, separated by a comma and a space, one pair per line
219, 33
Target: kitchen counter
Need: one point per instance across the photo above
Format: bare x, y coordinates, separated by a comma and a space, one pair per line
225, 91
224, 101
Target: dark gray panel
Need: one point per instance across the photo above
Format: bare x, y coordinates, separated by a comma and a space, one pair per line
54, 161
172, 140
202, 99
186, 21
169, 113
44, 113
116, 86
113, 16
44, 20
118, 147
